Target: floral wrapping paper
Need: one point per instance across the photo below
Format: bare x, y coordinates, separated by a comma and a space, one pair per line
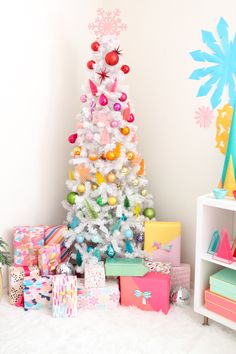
16, 278
64, 296
49, 258
94, 275
107, 297
37, 292
27, 241
55, 234
159, 267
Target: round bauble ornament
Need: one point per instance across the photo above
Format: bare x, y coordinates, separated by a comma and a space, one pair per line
90, 249
74, 222
180, 296
112, 201
124, 170
90, 64
72, 138
125, 130
117, 106
83, 98
78, 258
144, 192
80, 238
150, 213
93, 156
140, 238
96, 238
123, 97
100, 202
81, 188
103, 156
124, 217
135, 182
71, 197
115, 124
125, 69
130, 155
94, 186
95, 46
110, 251
65, 268
111, 177
110, 155
131, 118
77, 151
112, 58
128, 233
89, 136
103, 100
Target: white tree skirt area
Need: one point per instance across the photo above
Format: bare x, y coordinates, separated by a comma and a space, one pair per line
124, 330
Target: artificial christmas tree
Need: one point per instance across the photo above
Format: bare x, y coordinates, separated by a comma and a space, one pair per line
108, 200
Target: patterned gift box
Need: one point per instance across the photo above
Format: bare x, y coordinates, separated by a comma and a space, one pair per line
16, 278
150, 292
64, 296
107, 297
49, 258
180, 276
159, 267
37, 292
27, 240
94, 275
55, 234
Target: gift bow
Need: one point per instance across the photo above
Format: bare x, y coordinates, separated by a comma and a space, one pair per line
65, 295
145, 295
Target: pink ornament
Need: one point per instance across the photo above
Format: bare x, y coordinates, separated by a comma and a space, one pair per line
83, 98
72, 138
115, 124
117, 106
103, 100
93, 87
131, 118
89, 136
123, 97
92, 106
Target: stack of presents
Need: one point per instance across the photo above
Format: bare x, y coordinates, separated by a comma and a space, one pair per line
146, 284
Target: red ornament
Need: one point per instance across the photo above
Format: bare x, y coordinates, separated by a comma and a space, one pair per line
131, 118
95, 46
93, 87
125, 69
90, 64
112, 58
72, 138
103, 75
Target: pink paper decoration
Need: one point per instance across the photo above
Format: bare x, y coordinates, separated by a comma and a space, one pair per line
224, 252
93, 87
107, 23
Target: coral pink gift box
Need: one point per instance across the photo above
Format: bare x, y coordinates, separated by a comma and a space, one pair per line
150, 292
220, 305
180, 276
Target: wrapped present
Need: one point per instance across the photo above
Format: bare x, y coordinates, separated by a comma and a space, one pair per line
49, 258
55, 234
94, 275
107, 297
159, 267
125, 267
180, 276
27, 240
150, 292
37, 292
64, 296
16, 277
163, 241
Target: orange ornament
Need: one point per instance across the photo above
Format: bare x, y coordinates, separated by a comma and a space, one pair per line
110, 155
125, 131
93, 156
117, 150
77, 151
141, 170
130, 155
103, 156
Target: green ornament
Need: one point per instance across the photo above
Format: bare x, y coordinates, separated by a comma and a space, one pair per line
150, 213
71, 197
90, 209
100, 202
126, 202
78, 258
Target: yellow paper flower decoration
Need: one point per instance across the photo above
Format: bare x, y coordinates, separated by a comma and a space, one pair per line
223, 123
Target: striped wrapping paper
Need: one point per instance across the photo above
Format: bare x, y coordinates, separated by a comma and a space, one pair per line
54, 234
180, 276
64, 296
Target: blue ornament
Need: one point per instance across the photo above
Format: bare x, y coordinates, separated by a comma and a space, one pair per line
140, 238
96, 238
128, 233
128, 247
90, 249
97, 254
110, 251
80, 238
78, 258
74, 223
124, 218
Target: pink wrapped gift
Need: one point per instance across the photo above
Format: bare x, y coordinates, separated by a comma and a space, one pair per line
150, 292
180, 276
49, 258
37, 292
55, 234
27, 240
64, 296
107, 297
94, 275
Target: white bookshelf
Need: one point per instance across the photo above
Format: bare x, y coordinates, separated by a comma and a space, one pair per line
212, 214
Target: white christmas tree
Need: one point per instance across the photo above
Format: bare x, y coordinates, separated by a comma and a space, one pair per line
108, 200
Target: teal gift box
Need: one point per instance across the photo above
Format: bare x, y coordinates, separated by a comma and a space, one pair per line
224, 283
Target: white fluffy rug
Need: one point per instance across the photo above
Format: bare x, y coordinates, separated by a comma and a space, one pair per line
125, 331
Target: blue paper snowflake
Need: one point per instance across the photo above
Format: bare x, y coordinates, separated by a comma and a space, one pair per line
222, 73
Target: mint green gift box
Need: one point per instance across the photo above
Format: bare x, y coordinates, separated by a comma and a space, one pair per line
224, 283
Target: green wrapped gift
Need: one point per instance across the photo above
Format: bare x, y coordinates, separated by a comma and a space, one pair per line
125, 267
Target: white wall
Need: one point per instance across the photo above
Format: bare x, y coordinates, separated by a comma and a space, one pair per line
44, 50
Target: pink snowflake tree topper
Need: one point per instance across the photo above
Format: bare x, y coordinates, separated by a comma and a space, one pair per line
107, 23
204, 116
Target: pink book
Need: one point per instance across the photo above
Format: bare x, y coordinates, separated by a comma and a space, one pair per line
220, 305
150, 292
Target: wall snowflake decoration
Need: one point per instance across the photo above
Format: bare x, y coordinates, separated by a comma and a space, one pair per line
204, 117
107, 23
220, 72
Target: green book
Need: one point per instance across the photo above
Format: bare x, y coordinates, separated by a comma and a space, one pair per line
126, 267
224, 283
